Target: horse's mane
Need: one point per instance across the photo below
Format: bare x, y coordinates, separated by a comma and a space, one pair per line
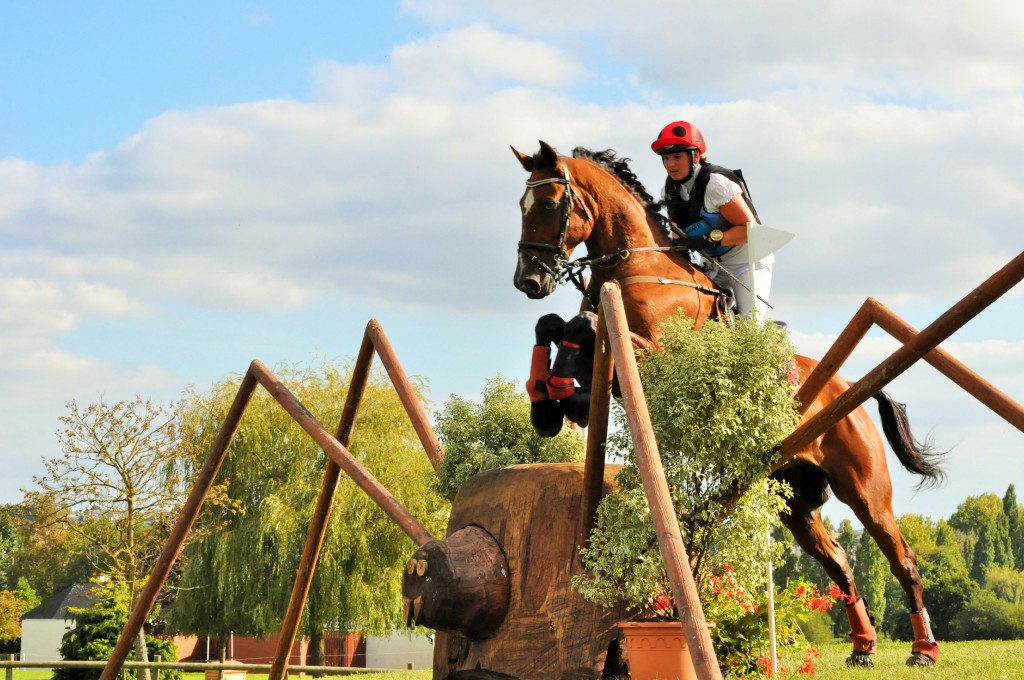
619, 168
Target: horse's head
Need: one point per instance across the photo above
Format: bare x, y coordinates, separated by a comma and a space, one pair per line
555, 221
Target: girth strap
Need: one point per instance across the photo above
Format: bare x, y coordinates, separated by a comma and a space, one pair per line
631, 280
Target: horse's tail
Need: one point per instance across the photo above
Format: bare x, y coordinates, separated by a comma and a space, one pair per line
917, 457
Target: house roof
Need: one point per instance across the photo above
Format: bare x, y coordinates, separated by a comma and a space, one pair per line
56, 606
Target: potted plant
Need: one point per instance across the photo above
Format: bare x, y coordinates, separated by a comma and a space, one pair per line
720, 403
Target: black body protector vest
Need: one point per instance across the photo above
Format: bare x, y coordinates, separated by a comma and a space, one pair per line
689, 214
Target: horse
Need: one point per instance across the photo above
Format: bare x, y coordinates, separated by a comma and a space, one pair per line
595, 199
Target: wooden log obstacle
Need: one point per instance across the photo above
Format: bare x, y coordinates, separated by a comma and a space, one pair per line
498, 587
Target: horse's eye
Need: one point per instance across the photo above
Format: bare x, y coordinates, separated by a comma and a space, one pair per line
549, 205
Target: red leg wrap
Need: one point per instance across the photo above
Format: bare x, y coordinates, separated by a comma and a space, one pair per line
924, 641
560, 388
864, 635
536, 385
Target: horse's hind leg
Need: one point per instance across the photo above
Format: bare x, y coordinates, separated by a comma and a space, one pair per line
868, 491
810, 491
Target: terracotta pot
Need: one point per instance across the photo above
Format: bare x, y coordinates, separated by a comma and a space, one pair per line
657, 650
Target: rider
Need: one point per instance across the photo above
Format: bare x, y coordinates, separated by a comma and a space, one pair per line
711, 206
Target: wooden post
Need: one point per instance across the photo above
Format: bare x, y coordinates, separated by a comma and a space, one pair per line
10, 669
340, 454
649, 465
406, 393
176, 541
321, 514
156, 670
903, 358
597, 432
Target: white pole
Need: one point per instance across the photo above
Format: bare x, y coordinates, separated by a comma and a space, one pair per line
750, 272
771, 611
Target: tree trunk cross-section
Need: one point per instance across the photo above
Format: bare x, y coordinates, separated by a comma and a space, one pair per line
534, 512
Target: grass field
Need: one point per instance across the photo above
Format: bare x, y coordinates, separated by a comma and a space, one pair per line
988, 660
981, 660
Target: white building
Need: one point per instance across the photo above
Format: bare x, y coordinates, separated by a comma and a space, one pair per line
401, 650
43, 628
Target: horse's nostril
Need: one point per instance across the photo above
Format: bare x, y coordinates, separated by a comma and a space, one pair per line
531, 286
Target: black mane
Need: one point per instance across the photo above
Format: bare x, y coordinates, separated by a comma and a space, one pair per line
619, 168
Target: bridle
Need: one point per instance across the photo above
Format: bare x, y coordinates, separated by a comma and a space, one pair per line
564, 270
561, 260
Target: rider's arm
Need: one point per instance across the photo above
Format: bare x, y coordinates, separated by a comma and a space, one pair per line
737, 213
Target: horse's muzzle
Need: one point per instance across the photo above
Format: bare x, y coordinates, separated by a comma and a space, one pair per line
534, 281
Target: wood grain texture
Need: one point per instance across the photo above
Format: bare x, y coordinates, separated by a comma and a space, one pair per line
534, 512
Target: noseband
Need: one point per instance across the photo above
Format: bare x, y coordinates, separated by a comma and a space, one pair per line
567, 203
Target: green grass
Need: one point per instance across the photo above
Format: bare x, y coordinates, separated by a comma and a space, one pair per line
425, 674
985, 660
982, 660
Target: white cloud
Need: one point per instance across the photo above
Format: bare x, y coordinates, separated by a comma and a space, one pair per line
99, 298
394, 185
911, 51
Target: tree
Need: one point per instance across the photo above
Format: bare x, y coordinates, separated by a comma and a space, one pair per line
984, 555
986, 617
13, 604
1006, 584
239, 578
1002, 543
871, 573
8, 544
1013, 513
495, 433
48, 555
847, 539
96, 632
113, 488
975, 511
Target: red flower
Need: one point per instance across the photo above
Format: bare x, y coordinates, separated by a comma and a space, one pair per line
808, 667
663, 605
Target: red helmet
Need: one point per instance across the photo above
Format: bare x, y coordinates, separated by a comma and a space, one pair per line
679, 136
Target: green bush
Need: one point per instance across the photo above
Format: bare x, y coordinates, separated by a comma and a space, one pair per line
720, 404
93, 639
986, 617
493, 434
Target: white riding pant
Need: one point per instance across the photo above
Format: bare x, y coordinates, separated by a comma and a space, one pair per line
740, 269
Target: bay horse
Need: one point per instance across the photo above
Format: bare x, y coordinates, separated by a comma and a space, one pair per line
596, 200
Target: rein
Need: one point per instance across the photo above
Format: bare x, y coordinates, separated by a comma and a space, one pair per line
566, 270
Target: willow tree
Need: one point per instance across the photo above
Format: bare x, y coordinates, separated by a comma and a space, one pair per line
113, 490
238, 578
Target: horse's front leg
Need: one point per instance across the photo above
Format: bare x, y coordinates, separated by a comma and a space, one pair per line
546, 413
574, 363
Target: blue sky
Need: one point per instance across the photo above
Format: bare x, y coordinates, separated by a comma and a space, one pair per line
186, 187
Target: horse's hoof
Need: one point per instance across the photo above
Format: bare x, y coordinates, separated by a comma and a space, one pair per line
919, 659
577, 408
547, 417
861, 660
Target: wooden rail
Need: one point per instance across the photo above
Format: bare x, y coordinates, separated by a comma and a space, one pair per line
339, 459
191, 667
613, 351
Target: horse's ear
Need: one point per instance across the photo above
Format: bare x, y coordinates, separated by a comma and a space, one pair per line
548, 154
524, 160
